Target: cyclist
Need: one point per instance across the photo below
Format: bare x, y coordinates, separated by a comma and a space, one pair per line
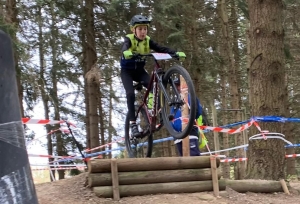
195, 133
133, 69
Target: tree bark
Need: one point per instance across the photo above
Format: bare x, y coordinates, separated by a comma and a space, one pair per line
150, 164
147, 177
255, 186
241, 166
82, 37
101, 121
233, 74
54, 90
43, 83
110, 118
268, 91
93, 87
158, 188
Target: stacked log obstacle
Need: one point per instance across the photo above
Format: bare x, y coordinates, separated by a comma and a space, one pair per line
115, 178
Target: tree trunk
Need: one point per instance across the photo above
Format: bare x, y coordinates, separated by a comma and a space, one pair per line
158, 188
292, 64
43, 85
290, 133
268, 91
146, 177
232, 76
53, 92
85, 71
235, 73
223, 96
101, 121
93, 87
110, 127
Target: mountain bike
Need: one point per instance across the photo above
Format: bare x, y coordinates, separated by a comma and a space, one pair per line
167, 99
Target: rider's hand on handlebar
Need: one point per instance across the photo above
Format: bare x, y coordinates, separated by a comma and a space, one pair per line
181, 55
127, 54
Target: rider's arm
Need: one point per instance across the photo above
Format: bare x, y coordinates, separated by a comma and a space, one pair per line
126, 45
199, 108
157, 48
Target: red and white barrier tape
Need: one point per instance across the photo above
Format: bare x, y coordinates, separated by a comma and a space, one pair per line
230, 131
245, 159
106, 145
234, 160
39, 121
66, 168
51, 156
43, 121
292, 155
59, 165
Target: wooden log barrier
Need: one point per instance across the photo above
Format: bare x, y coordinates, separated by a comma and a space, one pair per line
151, 164
255, 186
144, 176
147, 177
158, 188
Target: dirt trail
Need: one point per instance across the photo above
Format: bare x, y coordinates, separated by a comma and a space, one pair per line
72, 191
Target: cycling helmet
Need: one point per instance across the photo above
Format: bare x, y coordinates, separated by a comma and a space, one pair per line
139, 20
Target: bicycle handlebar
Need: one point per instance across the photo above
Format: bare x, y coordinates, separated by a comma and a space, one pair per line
137, 55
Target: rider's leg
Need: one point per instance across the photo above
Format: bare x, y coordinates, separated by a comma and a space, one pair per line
179, 148
127, 80
145, 78
194, 147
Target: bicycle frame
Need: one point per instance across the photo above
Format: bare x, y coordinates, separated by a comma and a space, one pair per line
155, 84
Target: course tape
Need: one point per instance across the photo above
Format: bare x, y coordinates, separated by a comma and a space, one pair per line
206, 129
245, 159
44, 121
63, 168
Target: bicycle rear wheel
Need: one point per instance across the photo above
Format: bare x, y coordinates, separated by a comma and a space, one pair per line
142, 146
176, 102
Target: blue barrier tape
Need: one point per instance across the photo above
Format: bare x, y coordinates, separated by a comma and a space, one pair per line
256, 118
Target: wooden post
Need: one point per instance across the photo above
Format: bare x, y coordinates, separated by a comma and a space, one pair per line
245, 134
216, 135
115, 179
184, 113
214, 175
284, 186
126, 154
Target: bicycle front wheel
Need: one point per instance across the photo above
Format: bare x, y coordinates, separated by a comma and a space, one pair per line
141, 146
178, 102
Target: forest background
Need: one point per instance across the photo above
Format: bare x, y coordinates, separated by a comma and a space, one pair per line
67, 54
